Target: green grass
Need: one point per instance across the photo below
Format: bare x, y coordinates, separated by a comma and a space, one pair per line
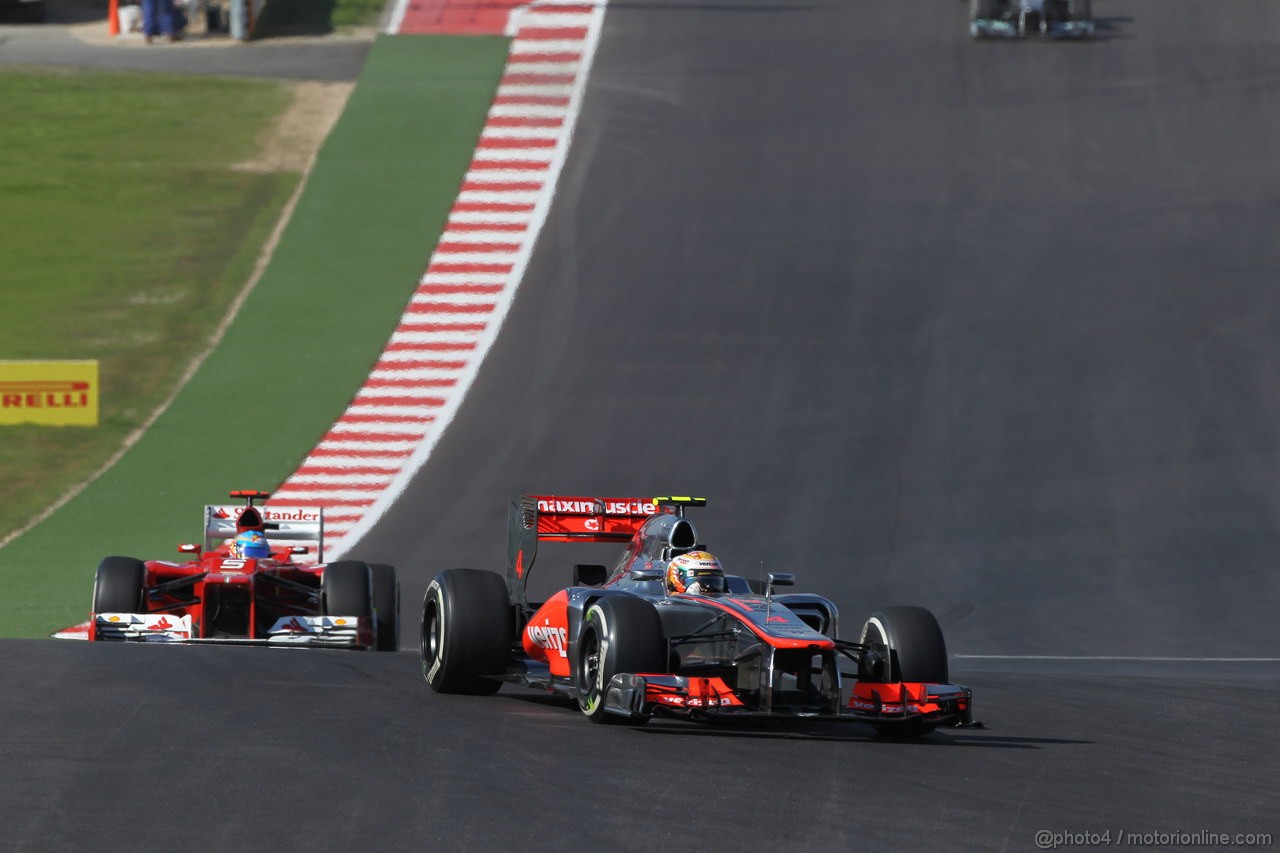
346, 265
315, 17
126, 237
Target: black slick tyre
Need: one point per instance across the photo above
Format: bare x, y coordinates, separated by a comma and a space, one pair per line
346, 590
120, 586
466, 632
386, 606
619, 634
1081, 10
912, 643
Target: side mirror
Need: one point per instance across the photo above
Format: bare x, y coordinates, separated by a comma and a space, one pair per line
647, 572
782, 579
189, 548
589, 574
298, 549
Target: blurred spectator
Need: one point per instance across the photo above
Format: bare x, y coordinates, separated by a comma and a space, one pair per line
159, 17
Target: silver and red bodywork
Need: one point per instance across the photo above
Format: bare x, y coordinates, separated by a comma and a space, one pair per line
216, 597
745, 653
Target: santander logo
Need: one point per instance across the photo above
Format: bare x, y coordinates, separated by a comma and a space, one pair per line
272, 514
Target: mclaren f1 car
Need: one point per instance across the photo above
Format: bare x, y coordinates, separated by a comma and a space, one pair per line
259, 578
1058, 19
627, 648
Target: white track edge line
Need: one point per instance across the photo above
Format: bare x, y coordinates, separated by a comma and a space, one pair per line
396, 19
1134, 658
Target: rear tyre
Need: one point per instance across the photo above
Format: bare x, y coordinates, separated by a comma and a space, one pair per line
346, 590
120, 586
386, 606
466, 632
914, 650
619, 634
1082, 10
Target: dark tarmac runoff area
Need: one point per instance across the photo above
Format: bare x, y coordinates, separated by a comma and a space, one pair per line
75, 35
989, 328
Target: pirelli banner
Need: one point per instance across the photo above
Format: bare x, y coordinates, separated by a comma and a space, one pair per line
57, 393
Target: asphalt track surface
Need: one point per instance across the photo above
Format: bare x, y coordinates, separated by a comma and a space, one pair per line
984, 327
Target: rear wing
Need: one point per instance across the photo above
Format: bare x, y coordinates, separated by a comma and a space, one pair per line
560, 519
283, 524
553, 518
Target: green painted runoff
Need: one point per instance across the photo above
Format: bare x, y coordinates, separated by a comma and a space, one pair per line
351, 256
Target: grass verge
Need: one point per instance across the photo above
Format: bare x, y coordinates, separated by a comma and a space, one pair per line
346, 265
127, 236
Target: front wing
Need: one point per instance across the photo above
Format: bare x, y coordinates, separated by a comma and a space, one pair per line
334, 631
648, 694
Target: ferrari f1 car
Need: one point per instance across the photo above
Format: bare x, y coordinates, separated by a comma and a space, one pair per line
626, 648
276, 591
1070, 19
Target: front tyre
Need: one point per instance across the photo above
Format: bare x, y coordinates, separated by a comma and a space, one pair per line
119, 587
466, 632
346, 589
913, 649
619, 634
386, 606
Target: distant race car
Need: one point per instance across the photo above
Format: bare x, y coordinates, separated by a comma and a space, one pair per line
260, 579
627, 648
1070, 19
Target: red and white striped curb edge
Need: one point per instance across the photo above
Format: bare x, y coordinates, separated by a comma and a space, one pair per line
395, 420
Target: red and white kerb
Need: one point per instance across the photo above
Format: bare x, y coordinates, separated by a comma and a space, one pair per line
391, 426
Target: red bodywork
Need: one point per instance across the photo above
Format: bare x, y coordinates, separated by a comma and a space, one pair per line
546, 637
903, 698
231, 598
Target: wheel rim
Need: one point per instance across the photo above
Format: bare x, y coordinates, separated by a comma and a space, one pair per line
431, 633
874, 634
589, 671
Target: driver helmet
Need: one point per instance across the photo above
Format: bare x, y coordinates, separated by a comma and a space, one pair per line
695, 573
250, 544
